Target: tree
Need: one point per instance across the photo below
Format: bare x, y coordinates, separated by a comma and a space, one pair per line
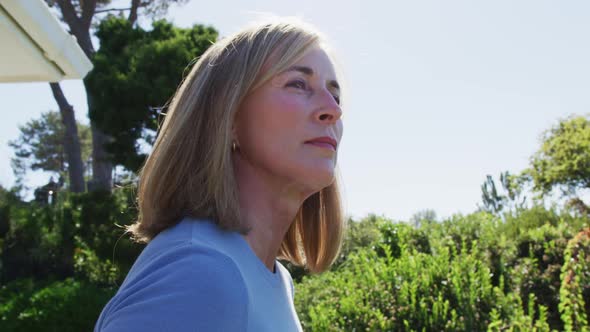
492, 201
563, 161
79, 16
136, 72
41, 145
71, 142
423, 217
511, 197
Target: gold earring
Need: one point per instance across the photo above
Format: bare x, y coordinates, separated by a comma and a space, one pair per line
233, 146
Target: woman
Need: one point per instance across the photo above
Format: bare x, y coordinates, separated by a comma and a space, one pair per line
242, 173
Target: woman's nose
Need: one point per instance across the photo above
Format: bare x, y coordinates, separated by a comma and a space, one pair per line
328, 109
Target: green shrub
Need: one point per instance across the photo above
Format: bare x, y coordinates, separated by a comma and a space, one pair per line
468, 273
410, 293
510, 315
103, 253
364, 233
81, 233
537, 268
14, 298
575, 284
37, 244
59, 306
360, 234
403, 236
88, 266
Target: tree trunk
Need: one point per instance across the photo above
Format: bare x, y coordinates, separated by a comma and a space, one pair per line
102, 167
80, 28
71, 140
132, 18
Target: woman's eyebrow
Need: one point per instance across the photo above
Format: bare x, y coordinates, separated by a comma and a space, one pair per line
303, 69
309, 72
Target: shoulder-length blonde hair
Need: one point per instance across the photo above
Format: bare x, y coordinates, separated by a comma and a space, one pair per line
190, 172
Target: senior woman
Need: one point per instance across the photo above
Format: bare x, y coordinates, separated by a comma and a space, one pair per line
242, 173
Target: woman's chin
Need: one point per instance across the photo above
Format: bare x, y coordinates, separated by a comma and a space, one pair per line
320, 179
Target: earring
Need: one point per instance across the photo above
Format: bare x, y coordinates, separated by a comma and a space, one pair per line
233, 146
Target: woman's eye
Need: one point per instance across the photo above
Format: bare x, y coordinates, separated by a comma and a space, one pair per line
337, 99
298, 84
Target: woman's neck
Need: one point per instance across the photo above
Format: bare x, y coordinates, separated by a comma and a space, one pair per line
267, 207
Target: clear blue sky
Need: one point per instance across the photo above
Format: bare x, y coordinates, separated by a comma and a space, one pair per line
440, 93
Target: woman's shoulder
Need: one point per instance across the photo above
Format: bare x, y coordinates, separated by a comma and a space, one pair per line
194, 236
178, 281
192, 246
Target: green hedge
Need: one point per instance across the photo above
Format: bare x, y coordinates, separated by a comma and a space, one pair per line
80, 235
526, 271
468, 273
60, 306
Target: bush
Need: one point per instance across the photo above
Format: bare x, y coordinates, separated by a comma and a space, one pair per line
468, 273
62, 306
413, 292
80, 235
536, 269
38, 243
575, 284
103, 253
360, 234
510, 315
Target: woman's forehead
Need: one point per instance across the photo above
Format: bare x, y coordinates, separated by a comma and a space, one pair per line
315, 62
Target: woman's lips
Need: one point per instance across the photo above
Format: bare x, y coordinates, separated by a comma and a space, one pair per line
325, 142
323, 145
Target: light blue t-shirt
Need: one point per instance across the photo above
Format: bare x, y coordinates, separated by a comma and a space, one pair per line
196, 277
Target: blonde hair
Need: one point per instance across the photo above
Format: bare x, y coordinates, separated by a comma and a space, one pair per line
190, 173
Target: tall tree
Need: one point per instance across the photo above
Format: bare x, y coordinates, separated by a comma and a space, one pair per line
71, 143
79, 16
563, 161
136, 72
41, 145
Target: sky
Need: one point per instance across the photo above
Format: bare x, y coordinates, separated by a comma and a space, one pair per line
439, 94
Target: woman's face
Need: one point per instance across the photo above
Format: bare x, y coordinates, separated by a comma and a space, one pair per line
290, 127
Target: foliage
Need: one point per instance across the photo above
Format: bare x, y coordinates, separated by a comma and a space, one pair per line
517, 268
398, 237
511, 199
62, 306
89, 266
511, 315
467, 273
564, 156
40, 146
150, 8
8, 198
413, 292
477, 272
76, 236
81, 17
563, 162
135, 73
575, 287
360, 234
423, 216
36, 243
